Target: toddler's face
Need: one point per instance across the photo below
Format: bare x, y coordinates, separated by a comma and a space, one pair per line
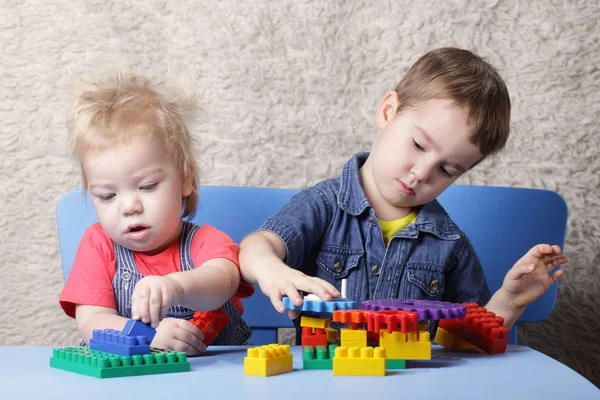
137, 192
421, 151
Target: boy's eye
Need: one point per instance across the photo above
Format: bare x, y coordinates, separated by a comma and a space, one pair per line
417, 145
445, 172
106, 197
149, 187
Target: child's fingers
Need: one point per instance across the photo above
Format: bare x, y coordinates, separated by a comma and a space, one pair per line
314, 285
142, 299
276, 301
557, 275
192, 330
293, 314
328, 287
517, 272
291, 291
155, 307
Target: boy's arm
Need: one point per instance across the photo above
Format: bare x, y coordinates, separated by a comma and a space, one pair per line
261, 255
526, 281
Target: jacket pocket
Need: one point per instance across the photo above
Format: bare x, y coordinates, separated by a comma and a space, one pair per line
425, 280
338, 262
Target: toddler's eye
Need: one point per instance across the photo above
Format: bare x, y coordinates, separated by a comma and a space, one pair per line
417, 145
106, 197
149, 187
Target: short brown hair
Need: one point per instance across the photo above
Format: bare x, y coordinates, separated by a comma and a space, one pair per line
461, 76
113, 109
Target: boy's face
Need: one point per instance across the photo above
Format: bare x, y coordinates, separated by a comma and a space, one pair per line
419, 152
137, 192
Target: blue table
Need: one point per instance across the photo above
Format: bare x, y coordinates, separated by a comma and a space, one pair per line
519, 373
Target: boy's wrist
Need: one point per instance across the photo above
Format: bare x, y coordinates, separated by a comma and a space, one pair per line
507, 301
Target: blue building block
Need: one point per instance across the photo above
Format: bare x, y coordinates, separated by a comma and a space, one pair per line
319, 306
115, 342
138, 328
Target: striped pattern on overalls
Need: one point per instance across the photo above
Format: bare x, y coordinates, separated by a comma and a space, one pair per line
236, 332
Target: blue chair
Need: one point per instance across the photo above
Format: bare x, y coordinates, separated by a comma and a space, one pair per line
502, 223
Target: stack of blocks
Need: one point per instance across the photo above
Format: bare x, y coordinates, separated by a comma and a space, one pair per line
382, 335
120, 353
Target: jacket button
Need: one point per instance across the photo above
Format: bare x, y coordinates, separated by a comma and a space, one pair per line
376, 270
337, 267
434, 285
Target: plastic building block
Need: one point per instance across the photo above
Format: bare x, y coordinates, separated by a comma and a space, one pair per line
320, 357
319, 306
395, 364
272, 359
314, 337
211, 323
481, 328
310, 322
138, 328
99, 364
355, 361
450, 341
332, 335
392, 320
426, 309
113, 341
406, 346
353, 338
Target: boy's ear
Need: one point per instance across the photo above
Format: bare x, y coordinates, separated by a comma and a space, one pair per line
387, 109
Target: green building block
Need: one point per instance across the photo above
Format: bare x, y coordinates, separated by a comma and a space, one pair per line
395, 364
323, 359
100, 364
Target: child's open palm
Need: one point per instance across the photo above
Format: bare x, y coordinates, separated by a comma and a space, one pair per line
529, 278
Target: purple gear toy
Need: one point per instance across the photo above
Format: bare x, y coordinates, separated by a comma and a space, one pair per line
426, 309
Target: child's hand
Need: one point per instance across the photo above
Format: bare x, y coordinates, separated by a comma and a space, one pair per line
152, 297
283, 280
529, 278
179, 335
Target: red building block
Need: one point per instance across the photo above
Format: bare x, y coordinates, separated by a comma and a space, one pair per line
391, 320
479, 327
314, 337
210, 323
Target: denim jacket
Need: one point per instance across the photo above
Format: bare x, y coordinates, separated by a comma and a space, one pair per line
331, 231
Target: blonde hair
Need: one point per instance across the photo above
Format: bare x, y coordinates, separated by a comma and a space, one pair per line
465, 78
114, 109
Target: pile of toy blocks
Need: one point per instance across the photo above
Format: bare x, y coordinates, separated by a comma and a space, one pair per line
382, 335
113, 353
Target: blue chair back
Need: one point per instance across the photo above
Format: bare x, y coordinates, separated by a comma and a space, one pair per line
502, 223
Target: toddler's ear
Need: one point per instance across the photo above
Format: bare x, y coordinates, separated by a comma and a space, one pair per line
387, 109
187, 181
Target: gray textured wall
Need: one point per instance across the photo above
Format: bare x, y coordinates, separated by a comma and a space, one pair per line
290, 89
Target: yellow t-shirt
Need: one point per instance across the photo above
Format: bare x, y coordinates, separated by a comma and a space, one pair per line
390, 228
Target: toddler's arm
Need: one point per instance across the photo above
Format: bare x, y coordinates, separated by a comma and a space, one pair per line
202, 289
261, 255
526, 281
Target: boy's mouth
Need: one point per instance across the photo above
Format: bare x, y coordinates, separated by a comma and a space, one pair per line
405, 188
136, 228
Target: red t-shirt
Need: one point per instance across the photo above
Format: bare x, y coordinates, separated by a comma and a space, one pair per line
90, 280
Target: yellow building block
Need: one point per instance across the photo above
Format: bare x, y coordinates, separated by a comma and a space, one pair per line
353, 337
272, 359
406, 346
450, 341
317, 323
355, 361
